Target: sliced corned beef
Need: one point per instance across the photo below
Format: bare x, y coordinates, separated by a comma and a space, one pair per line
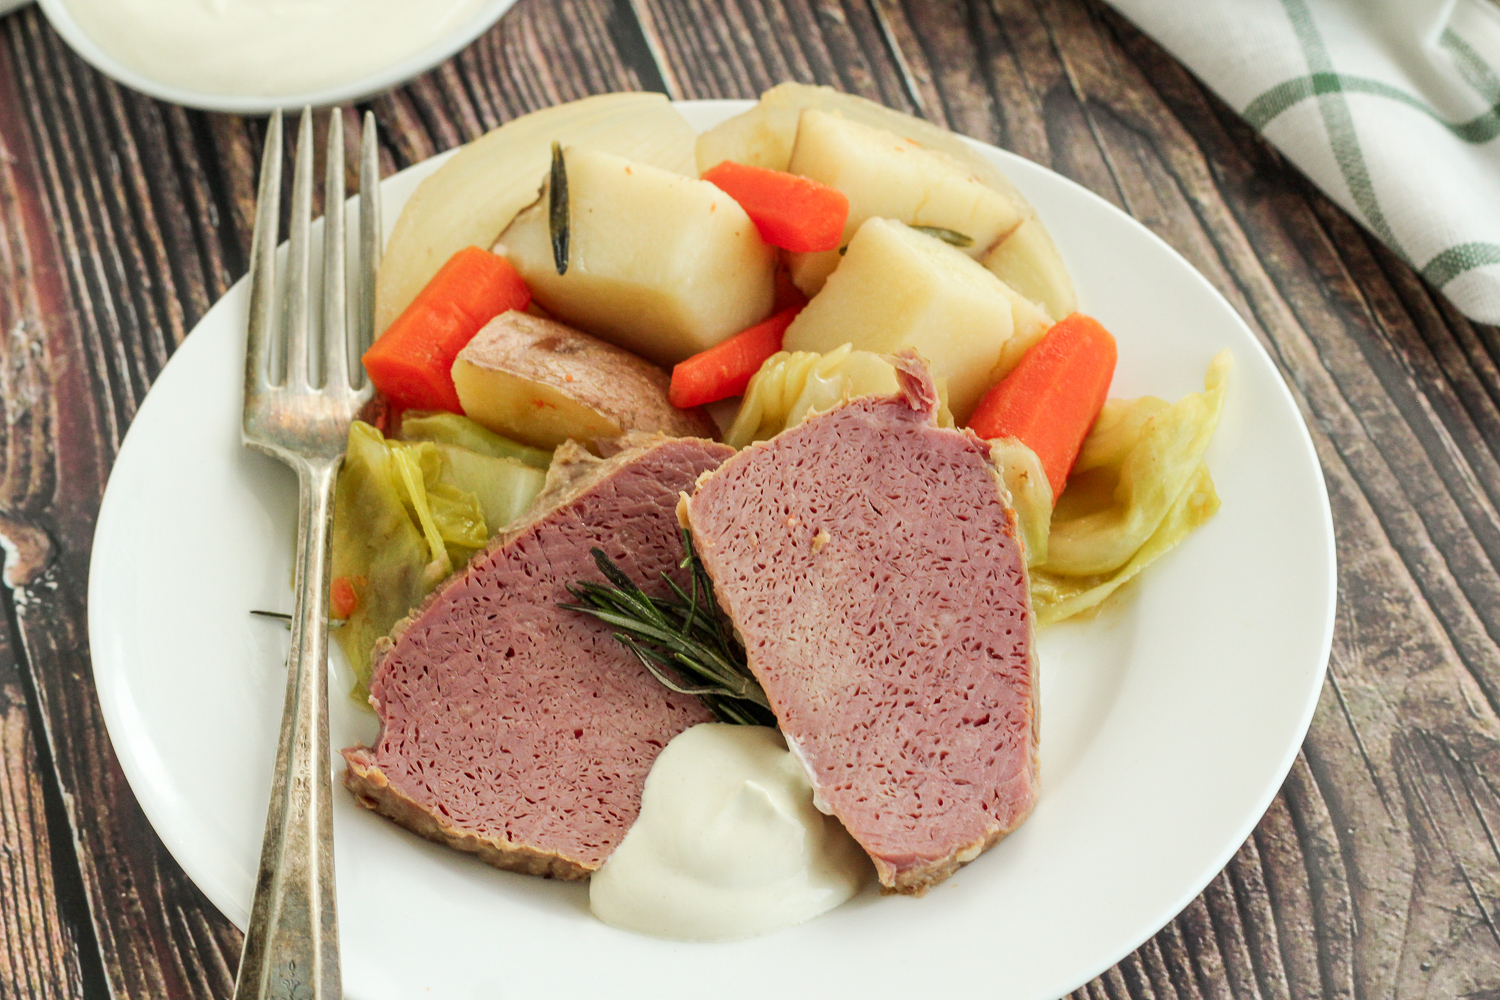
511, 728
870, 561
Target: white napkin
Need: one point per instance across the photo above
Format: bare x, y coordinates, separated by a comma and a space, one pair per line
1391, 106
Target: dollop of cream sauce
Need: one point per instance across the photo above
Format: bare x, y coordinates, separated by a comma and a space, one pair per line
265, 48
728, 844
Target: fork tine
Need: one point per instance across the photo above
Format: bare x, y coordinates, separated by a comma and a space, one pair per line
369, 238
296, 327
335, 338
263, 261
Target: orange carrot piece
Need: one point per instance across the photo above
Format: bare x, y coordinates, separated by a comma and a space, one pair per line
1053, 396
726, 368
791, 212
412, 362
343, 599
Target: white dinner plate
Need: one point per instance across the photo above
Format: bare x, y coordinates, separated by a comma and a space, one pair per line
1167, 723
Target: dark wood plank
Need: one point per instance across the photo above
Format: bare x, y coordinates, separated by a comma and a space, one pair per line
748, 46
103, 316
38, 951
133, 217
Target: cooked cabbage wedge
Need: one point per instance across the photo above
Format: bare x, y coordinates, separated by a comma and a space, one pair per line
406, 514
450, 428
791, 386
503, 486
1056, 597
1139, 487
1030, 494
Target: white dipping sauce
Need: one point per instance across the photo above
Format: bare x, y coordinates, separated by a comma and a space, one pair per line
265, 48
728, 844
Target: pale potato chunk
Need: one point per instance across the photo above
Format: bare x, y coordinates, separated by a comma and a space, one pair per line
476, 194
761, 137
540, 382
660, 264
898, 288
891, 177
1029, 324
1028, 261
764, 135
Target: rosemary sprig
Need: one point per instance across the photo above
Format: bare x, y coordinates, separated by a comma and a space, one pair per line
950, 236
684, 640
286, 619
557, 209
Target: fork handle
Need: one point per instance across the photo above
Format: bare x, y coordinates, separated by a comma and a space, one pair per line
292, 944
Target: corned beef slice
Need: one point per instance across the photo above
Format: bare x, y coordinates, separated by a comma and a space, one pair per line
515, 730
871, 563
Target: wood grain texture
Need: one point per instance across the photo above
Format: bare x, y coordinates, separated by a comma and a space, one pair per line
38, 952
124, 219
99, 323
1375, 872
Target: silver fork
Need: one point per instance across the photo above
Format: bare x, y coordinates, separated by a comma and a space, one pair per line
302, 389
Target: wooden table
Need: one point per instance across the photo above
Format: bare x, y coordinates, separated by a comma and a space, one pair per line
1376, 871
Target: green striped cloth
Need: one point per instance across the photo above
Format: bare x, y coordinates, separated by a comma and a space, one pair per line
1391, 106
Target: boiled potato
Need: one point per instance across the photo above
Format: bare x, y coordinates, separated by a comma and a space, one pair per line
1029, 324
660, 264
764, 135
476, 194
1028, 261
898, 288
760, 137
894, 178
540, 382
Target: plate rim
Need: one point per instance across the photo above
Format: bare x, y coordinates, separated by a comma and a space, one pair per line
723, 107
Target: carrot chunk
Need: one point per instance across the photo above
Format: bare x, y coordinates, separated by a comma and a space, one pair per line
1053, 396
412, 362
343, 599
791, 212
726, 368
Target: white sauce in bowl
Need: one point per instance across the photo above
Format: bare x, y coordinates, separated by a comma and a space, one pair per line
265, 48
727, 845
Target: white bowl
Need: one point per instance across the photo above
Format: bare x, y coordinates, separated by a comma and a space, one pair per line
67, 26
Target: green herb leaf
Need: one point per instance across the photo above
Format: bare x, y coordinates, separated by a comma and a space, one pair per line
286, 619
946, 235
685, 641
557, 209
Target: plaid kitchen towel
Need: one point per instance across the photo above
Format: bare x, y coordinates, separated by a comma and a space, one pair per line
1391, 106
